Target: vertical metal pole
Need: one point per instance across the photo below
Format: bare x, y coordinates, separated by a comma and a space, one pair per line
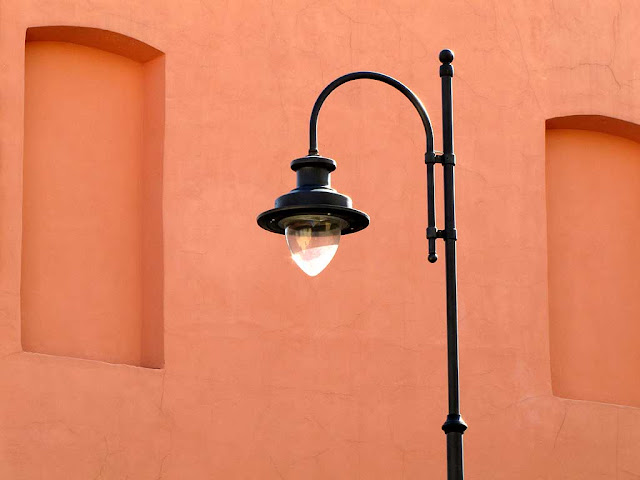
454, 426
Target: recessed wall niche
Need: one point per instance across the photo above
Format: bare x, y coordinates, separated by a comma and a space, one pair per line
92, 250
593, 212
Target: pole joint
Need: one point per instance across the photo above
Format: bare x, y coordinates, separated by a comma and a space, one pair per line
444, 159
454, 423
447, 159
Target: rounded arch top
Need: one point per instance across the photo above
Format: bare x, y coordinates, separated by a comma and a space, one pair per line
106, 40
596, 123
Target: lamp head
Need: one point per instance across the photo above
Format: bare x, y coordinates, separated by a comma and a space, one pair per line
313, 215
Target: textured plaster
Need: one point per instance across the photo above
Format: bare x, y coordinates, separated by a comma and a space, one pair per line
270, 375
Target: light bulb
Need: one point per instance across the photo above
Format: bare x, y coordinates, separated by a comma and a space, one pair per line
313, 240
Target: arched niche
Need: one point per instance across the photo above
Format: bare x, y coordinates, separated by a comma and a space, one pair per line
92, 249
593, 212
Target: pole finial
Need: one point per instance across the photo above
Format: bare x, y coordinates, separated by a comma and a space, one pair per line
446, 56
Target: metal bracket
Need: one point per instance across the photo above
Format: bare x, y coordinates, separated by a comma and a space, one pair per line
444, 159
450, 234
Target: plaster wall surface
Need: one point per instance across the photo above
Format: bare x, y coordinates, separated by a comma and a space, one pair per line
271, 375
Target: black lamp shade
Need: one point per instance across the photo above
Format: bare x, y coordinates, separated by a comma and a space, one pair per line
313, 195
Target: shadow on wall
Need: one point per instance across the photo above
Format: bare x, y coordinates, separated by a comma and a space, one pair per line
92, 251
593, 216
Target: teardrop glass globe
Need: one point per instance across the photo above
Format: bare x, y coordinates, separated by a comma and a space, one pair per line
313, 241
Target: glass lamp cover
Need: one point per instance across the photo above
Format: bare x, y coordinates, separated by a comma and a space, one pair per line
313, 241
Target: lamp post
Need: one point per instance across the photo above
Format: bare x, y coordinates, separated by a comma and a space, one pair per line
313, 216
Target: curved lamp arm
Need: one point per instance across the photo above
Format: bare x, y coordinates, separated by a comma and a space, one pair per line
415, 101
428, 130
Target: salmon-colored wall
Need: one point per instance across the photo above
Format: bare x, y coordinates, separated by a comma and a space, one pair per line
269, 374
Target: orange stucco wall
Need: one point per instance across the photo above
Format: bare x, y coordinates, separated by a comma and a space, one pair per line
269, 374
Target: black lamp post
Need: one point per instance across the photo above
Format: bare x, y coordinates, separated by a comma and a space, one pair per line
314, 215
